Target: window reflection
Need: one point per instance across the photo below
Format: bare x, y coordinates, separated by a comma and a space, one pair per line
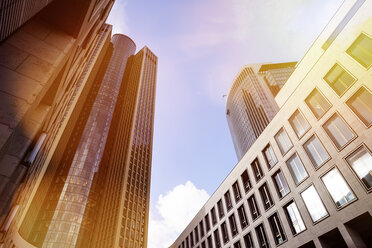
338, 131
314, 204
296, 168
337, 187
297, 224
361, 162
316, 151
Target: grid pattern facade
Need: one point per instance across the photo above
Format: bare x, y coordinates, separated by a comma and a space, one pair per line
306, 182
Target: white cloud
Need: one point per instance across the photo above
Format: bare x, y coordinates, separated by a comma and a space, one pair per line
118, 18
172, 212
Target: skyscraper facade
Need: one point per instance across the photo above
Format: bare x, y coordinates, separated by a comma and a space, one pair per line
250, 103
86, 171
307, 180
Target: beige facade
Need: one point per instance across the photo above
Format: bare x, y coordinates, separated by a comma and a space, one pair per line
307, 180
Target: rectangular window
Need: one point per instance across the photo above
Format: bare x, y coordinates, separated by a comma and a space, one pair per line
253, 207
280, 184
317, 103
339, 79
316, 151
207, 223
361, 49
237, 244
284, 143
221, 212
217, 240
261, 236
296, 168
228, 200
242, 217
187, 242
257, 171
203, 245
361, 104
294, 218
246, 181
277, 229
338, 131
361, 163
270, 157
233, 226
314, 204
196, 234
299, 124
236, 191
209, 241
225, 234
248, 241
214, 217
338, 188
266, 196
201, 227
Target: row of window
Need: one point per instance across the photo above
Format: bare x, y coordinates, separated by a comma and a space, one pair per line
360, 162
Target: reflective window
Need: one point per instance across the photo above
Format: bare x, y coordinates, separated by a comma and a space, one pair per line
207, 223
217, 241
296, 168
361, 49
316, 152
233, 226
221, 212
237, 244
201, 227
314, 204
284, 143
337, 188
317, 103
280, 184
361, 163
261, 236
266, 196
228, 200
299, 124
248, 241
338, 131
277, 229
256, 168
339, 79
236, 191
246, 181
225, 234
214, 217
270, 157
361, 104
253, 207
242, 217
294, 218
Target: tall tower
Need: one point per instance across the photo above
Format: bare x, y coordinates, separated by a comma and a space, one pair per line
251, 105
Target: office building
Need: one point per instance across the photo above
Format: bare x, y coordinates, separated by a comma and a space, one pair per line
250, 103
76, 161
307, 179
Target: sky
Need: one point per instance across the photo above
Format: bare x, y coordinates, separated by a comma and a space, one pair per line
201, 45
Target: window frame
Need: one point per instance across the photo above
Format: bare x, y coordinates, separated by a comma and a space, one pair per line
351, 168
245, 216
289, 202
232, 217
277, 143
249, 181
227, 198
256, 163
290, 171
347, 125
281, 226
265, 158
351, 109
331, 85
354, 41
256, 206
324, 217
276, 186
237, 196
329, 194
310, 157
262, 191
292, 126
310, 107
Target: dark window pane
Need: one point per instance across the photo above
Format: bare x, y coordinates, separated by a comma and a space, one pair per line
246, 181
257, 171
242, 217
277, 229
280, 184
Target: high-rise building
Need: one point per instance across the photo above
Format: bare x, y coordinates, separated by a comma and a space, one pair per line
82, 178
250, 103
307, 179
